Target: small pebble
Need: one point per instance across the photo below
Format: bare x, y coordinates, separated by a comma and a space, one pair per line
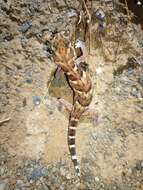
99, 70
29, 80
36, 100
130, 70
94, 136
25, 26
24, 41
72, 13
97, 179
134, 92
100, 14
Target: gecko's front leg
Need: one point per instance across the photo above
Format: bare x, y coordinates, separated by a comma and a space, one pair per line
83, 55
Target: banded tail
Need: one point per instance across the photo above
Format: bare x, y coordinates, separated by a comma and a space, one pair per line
75, 115
71, 143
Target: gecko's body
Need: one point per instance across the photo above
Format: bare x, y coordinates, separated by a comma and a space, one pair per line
81, 85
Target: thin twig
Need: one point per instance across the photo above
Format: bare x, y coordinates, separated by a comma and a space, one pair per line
87, 11
43, 98
8, 66
89, 22
5, 120
127, 9
90, 33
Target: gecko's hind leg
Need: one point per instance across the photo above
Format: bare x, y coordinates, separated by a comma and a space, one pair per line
91, 114
63, 103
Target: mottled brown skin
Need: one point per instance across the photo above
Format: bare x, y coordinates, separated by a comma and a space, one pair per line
81, 85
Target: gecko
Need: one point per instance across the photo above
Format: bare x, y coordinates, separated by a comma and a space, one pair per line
80, 83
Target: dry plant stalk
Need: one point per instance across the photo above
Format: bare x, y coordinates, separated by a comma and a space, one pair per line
127, 9
5, 120
89, 22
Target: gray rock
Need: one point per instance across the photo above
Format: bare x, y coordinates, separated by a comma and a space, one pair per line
25, 26
37, 173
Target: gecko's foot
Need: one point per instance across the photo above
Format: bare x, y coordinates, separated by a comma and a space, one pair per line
63, 103
91, 114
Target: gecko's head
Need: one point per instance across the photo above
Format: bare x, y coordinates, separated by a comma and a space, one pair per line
60, 40
60, 43
62, 51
